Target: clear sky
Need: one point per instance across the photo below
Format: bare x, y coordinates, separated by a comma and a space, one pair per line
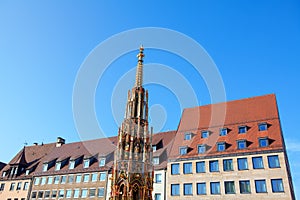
255, 45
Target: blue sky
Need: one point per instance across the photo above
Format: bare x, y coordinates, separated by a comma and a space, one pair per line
254, 44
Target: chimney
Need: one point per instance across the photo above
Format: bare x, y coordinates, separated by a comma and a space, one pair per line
60, 141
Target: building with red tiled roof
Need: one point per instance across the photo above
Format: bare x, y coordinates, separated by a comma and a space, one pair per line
230, 150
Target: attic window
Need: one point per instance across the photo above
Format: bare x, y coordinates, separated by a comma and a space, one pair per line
242, 129
27, 172
187, 136
86, 163
154, 148
72, 164
45, 167
263, 142
57, 166
221, 146
223, 131
204, 134
156, 161
201, 149
242, 144
263, 127
183, 150
4, 174
102, 162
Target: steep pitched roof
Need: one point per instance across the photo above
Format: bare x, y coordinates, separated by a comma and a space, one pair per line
246, 112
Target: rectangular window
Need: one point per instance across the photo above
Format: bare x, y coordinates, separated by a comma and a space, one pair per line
277, 185
262, 127
94, 177
260, 186
101, 192
174, 189
61, 193
263, 142
57, 166
102, 177
86, 163
257, 162
242, 144
78, 178
92, 192
187, 168
33, 195
242, 129
229, 187
76, 193
242, 163
187, 189
183, 150
201, 188
201, 149
157, 178
221, 146
72, 164
47, 194
54, 193
157, 196
37, 181
2, 186
175, 168
86, 178
63, 179
214, 166
200, 167
84, 193
187, 136
204, 134
25, 186
45, 167
223, 131
102, 162
50, 180
227, 165
154, 148
43, 180
273, 161
56, 179
215, 188
245, 187
40, 194
68, 193
19, 186
12, 186
71, 178
156, 161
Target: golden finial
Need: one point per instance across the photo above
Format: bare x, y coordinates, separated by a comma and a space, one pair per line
141, 54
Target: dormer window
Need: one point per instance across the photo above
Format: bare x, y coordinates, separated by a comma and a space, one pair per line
204, 134
263, 127
4, 174
102, 162
156, 161
242, 129
223, 131
72, 164
154, 148
242, 144
86, 163
57, 166
221, 146
263, 142
45, 167
27, 172
201, 149
183, 150
187, 136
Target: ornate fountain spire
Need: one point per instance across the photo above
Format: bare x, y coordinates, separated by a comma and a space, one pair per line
139, 69
132, 176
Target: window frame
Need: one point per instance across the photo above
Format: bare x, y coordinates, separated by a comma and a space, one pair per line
277, 162
205, 133
201, 167
266, 139
256, 186
221, 144
242, 142
226, 187
178, 168
211, 166
188, 136
279, 189
261, 162
190, 168
188, 191
264, 124
203, 184
240, 166
177, 187
201, 146
247, 188
231, 168
217, 184
244, 128
184, 148
223, 131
